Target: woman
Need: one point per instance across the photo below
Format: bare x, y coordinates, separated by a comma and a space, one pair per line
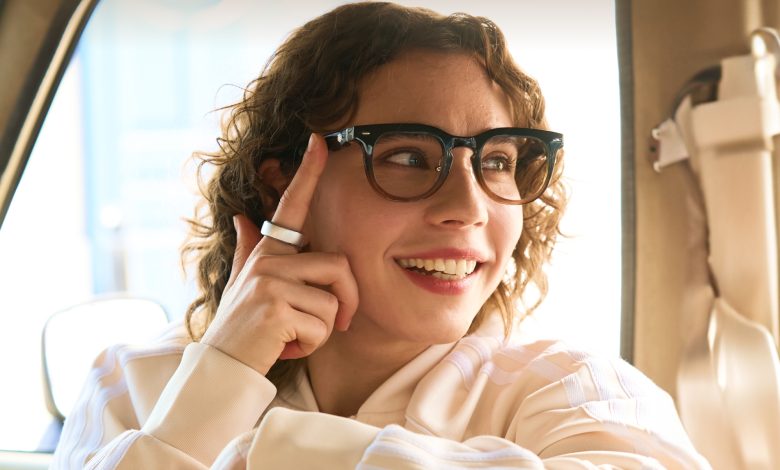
364, 317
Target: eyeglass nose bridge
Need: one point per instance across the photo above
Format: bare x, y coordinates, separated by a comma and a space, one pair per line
449, 145
468, 142
452, 144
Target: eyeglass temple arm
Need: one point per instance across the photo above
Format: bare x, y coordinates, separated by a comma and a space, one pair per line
337, 140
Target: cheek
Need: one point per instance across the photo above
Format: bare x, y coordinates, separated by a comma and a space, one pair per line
327, 210
347, 218
507, 226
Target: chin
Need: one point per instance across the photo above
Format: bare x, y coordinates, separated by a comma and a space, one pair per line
442, 330
449, 336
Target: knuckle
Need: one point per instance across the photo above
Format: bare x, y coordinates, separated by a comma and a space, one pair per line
270, 283
340, 260
321, 332
331, 303
263, 263
258, 284
289, 334
316, 338
274, 315
307, 348
277, 307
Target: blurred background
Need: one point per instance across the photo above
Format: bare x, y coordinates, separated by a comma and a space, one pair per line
113, 165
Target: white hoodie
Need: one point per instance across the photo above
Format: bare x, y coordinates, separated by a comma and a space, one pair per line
479, 403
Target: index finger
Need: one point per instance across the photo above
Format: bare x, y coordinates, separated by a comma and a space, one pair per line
294, 204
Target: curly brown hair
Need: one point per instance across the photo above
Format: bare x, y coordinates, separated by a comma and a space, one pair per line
311, 82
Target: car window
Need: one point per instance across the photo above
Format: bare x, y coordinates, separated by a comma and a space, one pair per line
100, 207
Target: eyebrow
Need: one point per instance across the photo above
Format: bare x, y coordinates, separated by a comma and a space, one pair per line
510, 139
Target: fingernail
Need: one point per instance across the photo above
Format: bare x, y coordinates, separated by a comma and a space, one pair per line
235, 223
310, 145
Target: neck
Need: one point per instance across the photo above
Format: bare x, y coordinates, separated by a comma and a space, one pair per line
351, 365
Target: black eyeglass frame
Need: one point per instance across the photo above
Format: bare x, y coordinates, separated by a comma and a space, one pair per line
367, 136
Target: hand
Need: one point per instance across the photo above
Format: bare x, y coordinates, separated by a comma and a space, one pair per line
278, 303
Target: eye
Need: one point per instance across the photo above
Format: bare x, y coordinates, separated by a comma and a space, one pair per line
499, 163
406, 158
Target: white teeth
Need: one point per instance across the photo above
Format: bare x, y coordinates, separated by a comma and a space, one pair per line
460, 269
444, 276
448, 268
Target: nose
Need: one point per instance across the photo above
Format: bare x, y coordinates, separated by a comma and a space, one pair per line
460, 202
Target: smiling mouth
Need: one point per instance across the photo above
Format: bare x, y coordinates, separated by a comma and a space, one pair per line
440, 268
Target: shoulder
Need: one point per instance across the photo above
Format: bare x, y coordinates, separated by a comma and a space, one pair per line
531, 360
548, 381
551, 366
548, 397
485, 383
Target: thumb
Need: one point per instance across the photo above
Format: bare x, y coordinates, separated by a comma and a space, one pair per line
247, 236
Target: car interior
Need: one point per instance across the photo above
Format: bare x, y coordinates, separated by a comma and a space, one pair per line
697, 175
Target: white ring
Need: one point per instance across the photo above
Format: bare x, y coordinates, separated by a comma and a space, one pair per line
284, 235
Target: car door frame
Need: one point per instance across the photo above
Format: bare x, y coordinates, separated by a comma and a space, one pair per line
37, 41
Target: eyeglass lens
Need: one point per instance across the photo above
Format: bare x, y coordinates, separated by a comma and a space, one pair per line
408, 164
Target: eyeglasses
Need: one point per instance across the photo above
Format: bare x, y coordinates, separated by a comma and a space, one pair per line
409, 162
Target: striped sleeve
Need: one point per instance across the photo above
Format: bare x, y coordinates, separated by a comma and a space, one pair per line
562, 405
599, 411
170, 405
105, 406
540, 406
295, 439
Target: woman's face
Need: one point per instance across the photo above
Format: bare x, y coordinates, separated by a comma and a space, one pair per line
459, 222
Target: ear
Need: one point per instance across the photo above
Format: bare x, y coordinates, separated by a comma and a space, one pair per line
270, 173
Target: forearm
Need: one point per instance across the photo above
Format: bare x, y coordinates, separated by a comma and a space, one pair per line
211, 399
314, 440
